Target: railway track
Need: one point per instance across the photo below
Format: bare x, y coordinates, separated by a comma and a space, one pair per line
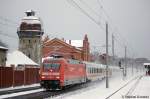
138, 78
41, 94
133, 87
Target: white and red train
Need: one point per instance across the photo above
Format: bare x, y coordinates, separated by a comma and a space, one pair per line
57, 73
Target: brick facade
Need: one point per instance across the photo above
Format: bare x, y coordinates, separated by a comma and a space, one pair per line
58, 46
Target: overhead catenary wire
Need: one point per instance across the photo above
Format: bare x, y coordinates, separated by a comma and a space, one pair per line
97, 14
102, 8
73, 3
122, 39
119, 36
89, 8
106, 14
10, 23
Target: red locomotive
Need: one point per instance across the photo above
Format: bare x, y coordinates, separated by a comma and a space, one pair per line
57, 73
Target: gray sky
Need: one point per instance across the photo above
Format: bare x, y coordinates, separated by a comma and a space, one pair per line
130, 21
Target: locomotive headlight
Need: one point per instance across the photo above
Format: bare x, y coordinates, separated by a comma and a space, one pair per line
43, 76
57, 77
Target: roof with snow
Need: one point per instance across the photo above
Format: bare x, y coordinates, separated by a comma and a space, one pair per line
76, 43
18, 58
4, 48
31, 20
146, 63
30, 11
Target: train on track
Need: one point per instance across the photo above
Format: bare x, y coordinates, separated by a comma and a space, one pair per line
58, 73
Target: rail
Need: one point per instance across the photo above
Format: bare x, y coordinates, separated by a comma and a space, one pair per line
132, 88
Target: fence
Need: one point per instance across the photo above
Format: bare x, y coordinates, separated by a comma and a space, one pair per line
10, 77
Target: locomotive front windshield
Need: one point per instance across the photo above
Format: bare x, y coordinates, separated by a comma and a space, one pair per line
54, 66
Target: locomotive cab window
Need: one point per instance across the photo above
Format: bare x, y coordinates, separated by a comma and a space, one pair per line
51, 66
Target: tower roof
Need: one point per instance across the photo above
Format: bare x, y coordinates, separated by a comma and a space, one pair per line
30, 13
31, 18
30, 25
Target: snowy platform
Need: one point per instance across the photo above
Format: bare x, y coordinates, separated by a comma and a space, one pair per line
19, 87
20, 90
99, 90
143, 88
10, 90
137, 89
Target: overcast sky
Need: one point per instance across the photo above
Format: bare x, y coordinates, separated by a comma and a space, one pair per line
128, 19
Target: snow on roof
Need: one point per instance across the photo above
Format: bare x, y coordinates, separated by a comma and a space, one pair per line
31, 20
30, 10
76, 43
2, 47
146, 63
17, 57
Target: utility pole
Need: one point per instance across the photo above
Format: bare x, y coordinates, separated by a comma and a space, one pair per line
125, 74
107, 82
113, 53
132, 65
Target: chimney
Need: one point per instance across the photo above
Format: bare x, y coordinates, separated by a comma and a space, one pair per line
85, 37
63, 39
70, 42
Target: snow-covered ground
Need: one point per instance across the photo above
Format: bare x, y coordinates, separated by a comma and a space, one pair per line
137, 90
143, 88
99, 90
19, 87
20, 93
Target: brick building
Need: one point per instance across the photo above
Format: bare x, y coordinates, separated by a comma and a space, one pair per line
76, 49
